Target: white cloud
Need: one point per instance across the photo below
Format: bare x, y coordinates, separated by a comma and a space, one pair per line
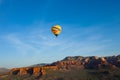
42, 45
20, 45
38, 40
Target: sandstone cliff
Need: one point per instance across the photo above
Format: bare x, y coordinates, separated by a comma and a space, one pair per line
68, 63
35, 71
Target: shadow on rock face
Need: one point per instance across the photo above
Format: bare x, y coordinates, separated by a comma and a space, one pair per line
30, 71
15, 72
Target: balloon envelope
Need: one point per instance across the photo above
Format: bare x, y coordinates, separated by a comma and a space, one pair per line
56, 30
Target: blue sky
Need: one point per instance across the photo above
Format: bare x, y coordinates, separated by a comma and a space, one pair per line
89, 27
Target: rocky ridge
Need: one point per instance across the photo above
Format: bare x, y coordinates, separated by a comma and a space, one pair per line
68, 63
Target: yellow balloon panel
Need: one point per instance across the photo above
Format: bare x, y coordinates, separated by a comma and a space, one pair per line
56, 29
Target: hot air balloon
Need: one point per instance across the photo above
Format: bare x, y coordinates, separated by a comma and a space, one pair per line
56, 30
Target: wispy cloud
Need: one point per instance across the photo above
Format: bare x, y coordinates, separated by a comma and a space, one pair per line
40, 45
20, 45
80, 40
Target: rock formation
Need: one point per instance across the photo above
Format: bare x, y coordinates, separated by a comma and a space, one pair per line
35, 71
68, 63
